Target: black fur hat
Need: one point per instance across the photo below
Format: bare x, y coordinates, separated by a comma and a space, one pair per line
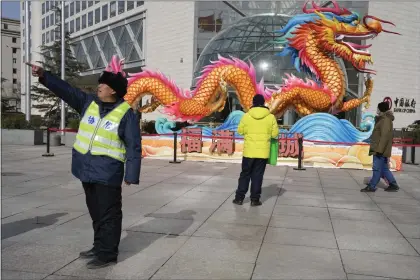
383, 107
115, 81
114, 76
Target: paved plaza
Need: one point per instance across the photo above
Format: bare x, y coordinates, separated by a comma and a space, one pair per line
180, 223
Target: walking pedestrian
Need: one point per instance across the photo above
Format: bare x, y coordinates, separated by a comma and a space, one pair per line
258, 126
108, 137
381, 148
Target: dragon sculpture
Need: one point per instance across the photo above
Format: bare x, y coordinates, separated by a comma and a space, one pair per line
311, 39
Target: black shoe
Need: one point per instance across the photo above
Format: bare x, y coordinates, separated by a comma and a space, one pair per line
392, 188
97, 263
87, 254
238, 201
368, 189
256, 203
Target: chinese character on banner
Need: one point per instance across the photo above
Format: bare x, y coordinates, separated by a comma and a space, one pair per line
193, 143
407, 103
401, 102
413, 103
224, 144
289, 147
396, 101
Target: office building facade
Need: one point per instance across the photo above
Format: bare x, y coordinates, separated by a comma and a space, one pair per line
171, 36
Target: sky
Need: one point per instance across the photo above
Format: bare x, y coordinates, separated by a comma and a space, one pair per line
10, 9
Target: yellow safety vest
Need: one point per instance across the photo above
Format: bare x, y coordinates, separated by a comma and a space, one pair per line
100, 136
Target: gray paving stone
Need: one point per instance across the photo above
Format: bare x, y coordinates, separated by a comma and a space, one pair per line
138, 266
190, 268
301, 237
240, 217
39, 258
194, 203
369, 206
217, 196
396, 200
379, 244
302, 189
402, 208
216, 187
308, 223
265, 208
182, 212
297, 262
358, 215
365, 277
360, 197
409, 231
415, 243
334, 190
305, 211
231, 231
20, 275
166, 226
219, 249
305, 195
377, 229
384, 265
302, 202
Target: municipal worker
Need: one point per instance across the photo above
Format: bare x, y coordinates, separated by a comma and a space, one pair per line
258, 126
108, 137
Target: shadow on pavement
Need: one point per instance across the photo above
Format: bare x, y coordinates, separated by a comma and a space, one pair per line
18, 227
142, 236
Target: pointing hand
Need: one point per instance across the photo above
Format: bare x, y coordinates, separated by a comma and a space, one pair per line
37, 71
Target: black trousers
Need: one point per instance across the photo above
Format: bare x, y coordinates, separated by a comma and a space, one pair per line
105, 208
252, 170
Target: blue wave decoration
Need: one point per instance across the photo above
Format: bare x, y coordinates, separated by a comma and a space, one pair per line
319, 126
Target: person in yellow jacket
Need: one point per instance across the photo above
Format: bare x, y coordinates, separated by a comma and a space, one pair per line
258, 126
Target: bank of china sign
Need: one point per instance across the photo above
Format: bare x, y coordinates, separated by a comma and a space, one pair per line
402, 104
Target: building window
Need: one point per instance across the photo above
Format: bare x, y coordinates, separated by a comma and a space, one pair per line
5, 26
14, 81
47, 6
71, 8
14, 61
78, 24
43, 23
77, 7
130, 5
72, 26
113, 9
43, 8
96, 2
121, 7
98, 15
83, 5
66, 11
104, 12
83, 21
14, 71
13, 40
43, 39
90, 19
14, 50
52, 35
66, 27
47, 37
140, 3
57, 33
90, 3
52, 19
47, 22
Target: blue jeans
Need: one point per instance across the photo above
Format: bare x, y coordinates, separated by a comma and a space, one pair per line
380, 169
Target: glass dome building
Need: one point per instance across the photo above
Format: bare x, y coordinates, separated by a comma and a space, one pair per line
252, 39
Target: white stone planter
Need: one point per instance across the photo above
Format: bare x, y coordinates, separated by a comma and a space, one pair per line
22, 137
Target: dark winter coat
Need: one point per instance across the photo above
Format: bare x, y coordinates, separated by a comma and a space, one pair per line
101, 169
382, 135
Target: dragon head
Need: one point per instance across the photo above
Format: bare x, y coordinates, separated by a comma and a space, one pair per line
331, 31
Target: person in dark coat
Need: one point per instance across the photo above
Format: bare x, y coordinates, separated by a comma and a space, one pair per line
381, 149
108, 138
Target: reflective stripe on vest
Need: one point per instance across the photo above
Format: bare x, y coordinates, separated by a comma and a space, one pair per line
100, 136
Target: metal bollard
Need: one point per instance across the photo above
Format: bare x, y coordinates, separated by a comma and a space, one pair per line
413, 154
48, 154
300, 143
175, 148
